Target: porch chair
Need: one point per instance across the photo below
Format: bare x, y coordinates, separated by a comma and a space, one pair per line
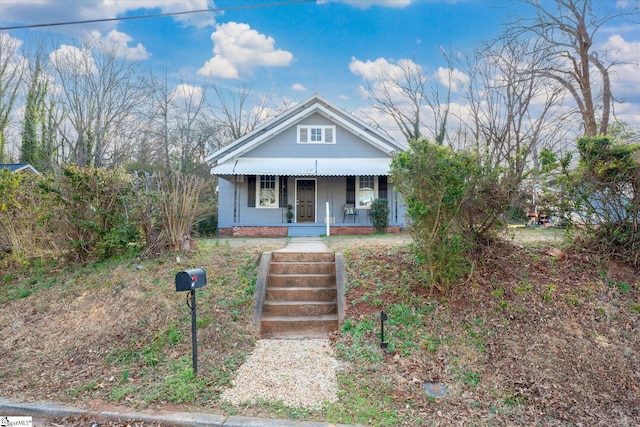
350, 210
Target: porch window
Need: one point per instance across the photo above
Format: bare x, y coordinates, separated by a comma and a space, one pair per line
267, 194
316, 134
366, 190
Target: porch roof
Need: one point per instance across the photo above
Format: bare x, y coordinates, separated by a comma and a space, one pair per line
304, 167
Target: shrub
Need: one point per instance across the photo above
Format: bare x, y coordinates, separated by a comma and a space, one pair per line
208, 227
434, 182
380, 215
99, 217
30, 217
605, 189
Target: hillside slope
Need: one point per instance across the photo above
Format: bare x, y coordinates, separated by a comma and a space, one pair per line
532, 336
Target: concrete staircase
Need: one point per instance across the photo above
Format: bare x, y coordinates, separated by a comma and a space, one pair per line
300, 295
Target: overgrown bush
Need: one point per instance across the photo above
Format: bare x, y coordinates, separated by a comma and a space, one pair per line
81, 214
30, 217
380, 215
85, 213
453, 203
168, 206
433, 181
99, 218
605, 189
179, 206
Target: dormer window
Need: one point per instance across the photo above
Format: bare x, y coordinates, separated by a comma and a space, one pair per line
316, 134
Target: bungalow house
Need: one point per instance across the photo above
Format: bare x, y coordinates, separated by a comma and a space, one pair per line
314, 163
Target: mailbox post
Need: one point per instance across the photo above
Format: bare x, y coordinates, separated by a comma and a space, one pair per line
190, 280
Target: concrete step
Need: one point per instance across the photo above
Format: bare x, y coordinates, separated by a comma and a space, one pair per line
302, 267
302, 256
299, 325
293, 293
301, 280
299, 308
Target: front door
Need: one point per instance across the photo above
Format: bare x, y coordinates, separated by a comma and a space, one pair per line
306, 200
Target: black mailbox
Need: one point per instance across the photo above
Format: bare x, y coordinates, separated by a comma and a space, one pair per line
188, 280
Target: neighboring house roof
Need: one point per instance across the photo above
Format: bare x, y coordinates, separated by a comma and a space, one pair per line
231, 160
19, 167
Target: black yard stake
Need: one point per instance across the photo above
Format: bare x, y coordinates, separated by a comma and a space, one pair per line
383, 317
194, 340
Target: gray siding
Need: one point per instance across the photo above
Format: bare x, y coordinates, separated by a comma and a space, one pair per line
285, 144
328, 189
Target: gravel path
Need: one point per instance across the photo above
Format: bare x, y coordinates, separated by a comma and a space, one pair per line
296, 372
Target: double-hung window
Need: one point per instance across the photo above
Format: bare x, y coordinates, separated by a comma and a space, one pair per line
267, 191
316, 134
366, 191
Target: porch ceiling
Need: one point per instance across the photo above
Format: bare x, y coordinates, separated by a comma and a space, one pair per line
304, 167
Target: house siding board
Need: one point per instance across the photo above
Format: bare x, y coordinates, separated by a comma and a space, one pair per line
285, 144
225, 203
328, 189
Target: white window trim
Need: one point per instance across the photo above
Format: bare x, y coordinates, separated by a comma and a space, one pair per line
324, 132
277, 191
375, 191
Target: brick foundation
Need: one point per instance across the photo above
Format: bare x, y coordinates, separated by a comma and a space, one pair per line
280, 231
253, 232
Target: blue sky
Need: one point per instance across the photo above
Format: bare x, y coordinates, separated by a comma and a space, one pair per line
293, 51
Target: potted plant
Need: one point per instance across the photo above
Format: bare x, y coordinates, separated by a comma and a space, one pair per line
289, 213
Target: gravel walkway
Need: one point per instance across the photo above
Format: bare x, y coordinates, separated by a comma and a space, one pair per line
296, 372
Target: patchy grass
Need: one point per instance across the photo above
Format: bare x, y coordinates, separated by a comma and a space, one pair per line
533, 337
529, 339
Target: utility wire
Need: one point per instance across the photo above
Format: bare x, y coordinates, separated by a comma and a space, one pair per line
158, 15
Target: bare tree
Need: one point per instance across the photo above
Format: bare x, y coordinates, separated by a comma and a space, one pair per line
12, 67
400, 92
234, 116
155, 146
417, 103
513, 112
189, 100
567, 30
98, 92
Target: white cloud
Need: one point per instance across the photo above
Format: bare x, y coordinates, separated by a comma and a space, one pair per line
46, 11
365, 4
238, 49
629, 113
344, 97
198, 20
378, 119
9, 56
298, 87
382, 70
8, 43
185, 93
120, 42
70, 59
625, 76
385, 78
457, 77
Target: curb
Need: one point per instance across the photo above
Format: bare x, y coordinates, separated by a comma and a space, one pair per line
181, 419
